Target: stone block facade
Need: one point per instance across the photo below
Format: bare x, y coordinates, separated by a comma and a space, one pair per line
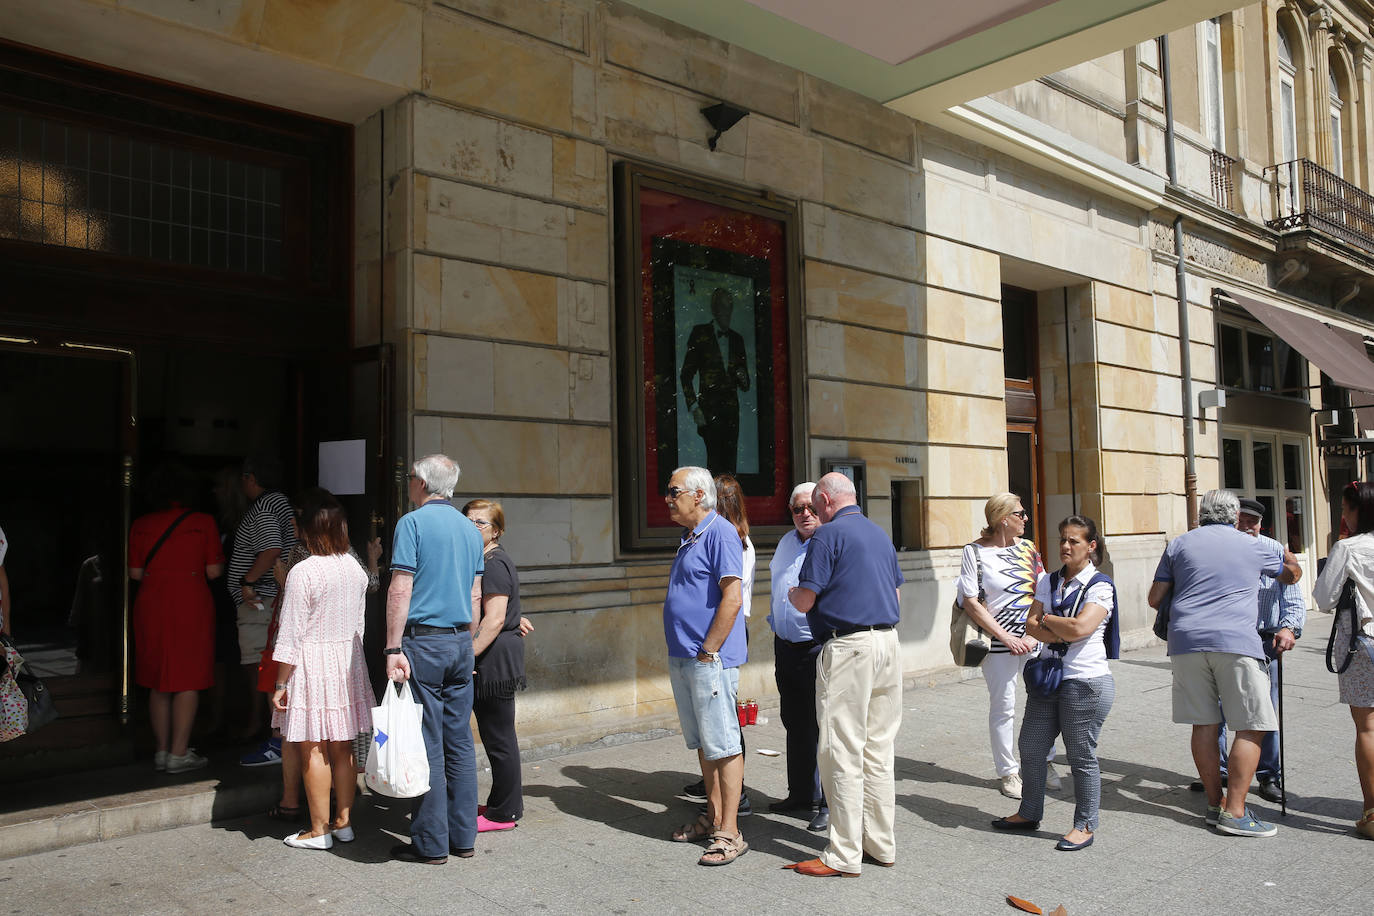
485, 246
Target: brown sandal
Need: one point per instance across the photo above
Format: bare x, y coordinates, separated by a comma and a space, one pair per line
1365, 825
695, 832
724, 849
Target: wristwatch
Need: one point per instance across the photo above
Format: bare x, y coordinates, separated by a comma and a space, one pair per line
396, 650
710, 656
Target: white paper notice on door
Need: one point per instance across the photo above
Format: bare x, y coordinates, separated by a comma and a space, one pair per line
343, 466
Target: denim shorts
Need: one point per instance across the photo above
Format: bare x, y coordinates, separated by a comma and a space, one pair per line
705, 695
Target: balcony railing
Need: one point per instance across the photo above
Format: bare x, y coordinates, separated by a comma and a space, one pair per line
1307, 196
1222, 182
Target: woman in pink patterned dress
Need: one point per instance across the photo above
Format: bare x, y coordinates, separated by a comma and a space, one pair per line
323, 698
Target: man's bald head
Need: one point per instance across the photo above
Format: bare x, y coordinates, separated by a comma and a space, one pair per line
833, 492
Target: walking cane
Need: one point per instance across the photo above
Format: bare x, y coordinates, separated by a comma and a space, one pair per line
1283, 770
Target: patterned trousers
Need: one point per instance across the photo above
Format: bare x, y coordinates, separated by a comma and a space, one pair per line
1077, 713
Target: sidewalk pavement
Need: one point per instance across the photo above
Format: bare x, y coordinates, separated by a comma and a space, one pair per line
595, 834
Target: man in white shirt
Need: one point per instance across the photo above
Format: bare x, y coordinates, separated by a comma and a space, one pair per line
794, 666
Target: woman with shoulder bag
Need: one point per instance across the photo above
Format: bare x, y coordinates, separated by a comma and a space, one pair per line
996, 588
1074, 615
1353, 559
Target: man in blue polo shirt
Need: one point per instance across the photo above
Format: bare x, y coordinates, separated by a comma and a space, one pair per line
849, 590
435, 593
705, 635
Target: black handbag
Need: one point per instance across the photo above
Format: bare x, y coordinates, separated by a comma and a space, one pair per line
42, 709
1161, 626
1344, 605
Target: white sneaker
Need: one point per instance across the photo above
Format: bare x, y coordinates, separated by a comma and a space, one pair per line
1052, 780
323, 841
160, 760
1011, 785
186, 762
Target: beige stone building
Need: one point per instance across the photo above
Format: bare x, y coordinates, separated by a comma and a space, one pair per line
489, 228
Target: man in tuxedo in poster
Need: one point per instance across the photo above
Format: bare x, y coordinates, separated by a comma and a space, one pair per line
716, 358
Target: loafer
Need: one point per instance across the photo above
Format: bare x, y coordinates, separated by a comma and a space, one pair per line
1003, 823
788, 805
1270, 790
820, 821
404, 852
323, 841
815, 868
488, 826
868, 859
1065, 846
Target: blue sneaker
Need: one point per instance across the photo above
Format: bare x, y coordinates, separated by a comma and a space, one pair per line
1249, 825
268, 754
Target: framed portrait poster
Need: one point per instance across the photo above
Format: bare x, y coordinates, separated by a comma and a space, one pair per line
707, 366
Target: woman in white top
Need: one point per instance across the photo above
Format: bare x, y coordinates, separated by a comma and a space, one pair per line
1074, 615
1353, 559
996, 589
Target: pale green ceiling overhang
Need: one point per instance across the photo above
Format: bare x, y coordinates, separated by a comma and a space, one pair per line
935, 80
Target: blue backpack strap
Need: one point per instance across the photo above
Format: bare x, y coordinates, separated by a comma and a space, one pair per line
1112, 634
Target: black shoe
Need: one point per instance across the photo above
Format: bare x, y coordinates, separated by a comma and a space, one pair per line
404, 852
696, 791
1195, 786
1065, 846
1269, 790
788, 805
820, 821
1027, 826
462, 853
744, 810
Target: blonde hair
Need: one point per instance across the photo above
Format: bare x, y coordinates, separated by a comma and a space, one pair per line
998, 507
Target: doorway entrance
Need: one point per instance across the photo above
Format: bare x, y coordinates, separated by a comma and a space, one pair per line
1021, 364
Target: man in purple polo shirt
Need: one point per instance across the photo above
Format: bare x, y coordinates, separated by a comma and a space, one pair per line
705, 634
849, 590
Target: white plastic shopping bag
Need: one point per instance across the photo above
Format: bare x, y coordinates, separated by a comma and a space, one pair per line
398, 764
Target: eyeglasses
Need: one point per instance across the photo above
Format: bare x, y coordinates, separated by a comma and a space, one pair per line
1021, 513
675, 492
480, 522
802, 510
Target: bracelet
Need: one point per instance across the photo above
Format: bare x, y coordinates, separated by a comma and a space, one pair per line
394, 651
281, 687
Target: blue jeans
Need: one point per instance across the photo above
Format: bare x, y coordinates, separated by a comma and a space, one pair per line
444, 818
1268, 768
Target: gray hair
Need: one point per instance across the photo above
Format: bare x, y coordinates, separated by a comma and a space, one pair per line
699, 479
439, 474
1218, 507
801, 489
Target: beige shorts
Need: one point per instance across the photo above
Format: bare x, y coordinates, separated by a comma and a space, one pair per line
1207, 684
253, 625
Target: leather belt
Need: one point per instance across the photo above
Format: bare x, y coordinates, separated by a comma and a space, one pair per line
424, 629
849, 631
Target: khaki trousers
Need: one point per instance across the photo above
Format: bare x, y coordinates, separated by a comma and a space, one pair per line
859, 709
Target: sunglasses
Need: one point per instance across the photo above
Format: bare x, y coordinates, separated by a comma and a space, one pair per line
675, 492
1021, 513
803, 510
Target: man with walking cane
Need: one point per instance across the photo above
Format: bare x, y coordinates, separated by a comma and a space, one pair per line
1282, 614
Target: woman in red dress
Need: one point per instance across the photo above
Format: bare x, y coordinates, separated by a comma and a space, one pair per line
173, 552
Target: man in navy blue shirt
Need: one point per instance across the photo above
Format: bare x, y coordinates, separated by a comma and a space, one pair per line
849, 590
705, 634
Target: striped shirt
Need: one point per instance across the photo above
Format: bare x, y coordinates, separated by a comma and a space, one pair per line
265, 526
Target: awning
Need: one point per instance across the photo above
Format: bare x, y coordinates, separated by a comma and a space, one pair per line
1347, 365
1365, 414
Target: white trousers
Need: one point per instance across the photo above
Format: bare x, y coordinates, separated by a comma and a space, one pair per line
1001, 672
859, 709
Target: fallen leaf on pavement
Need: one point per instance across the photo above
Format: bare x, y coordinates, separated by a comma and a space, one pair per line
1023, 904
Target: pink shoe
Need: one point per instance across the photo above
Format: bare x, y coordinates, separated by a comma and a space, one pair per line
486, 826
